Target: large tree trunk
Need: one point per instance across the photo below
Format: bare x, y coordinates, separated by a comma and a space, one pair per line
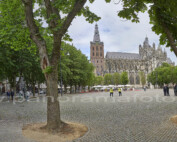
70, 89
65, 89
53, 108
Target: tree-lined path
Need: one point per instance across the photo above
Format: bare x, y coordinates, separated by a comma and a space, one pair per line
137, 116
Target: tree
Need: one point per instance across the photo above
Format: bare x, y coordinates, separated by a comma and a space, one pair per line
99, 80
143, 78
108, 79
162, 15
117, 78
52, 12
14, 36
75, 67
174, 74
163, 74
32, 72
124, 78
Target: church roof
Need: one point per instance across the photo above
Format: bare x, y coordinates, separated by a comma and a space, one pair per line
122, 55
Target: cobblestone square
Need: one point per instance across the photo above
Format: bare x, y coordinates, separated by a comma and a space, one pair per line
137, 116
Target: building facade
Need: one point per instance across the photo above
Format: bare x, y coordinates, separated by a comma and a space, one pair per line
148, 58
97, 53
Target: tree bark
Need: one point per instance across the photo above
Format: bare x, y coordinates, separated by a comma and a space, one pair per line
34, 90
53, 108
70, 89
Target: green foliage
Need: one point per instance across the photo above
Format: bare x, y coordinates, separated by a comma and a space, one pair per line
164, 74
124, 78
75, 67
162, 14
117, 78
108, 79
99, 80
48, 70
13, 30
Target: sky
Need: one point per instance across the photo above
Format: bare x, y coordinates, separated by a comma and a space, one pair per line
118, 35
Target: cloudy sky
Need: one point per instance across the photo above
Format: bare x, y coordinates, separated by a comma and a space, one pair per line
117, 34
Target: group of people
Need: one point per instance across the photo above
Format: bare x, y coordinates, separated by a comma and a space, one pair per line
112, 92
24, 94
166, 90
10, 94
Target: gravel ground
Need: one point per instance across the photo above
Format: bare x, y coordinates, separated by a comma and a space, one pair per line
137, 116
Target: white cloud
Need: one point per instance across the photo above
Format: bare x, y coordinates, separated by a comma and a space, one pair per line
117, 34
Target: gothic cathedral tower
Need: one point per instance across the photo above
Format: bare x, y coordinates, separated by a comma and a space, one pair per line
97, 53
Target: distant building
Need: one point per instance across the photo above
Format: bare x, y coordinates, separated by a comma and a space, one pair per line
147, 60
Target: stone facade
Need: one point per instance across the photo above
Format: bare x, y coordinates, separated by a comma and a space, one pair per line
146, 60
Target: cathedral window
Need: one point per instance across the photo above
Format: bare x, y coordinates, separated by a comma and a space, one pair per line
97, 61
97, 48
101, 48
100, 53
93, 53
97, 54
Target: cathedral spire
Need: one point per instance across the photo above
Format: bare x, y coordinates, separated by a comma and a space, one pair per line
96, 37
146, 42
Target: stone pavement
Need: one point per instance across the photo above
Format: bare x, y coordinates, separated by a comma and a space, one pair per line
137, 116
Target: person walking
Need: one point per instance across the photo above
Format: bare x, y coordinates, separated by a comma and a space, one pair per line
27, 95
111, 92
175, 89
165, 90
8, 95
12, 95
144, 88
120, 91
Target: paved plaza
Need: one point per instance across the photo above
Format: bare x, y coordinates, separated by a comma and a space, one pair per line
137, 116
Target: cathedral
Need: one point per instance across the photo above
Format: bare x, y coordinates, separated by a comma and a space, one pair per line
148, 58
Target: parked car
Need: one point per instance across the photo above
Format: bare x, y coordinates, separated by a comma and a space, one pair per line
42, 92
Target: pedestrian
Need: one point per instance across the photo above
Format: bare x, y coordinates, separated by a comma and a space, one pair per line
12, 95
165, 90
111, 92
175, 89
120, 91
8, 95
27, 95
20, 94
144, 88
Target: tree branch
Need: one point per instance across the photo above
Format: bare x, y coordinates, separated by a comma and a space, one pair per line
52, 10
77, 8
34, 33
59, 34
166, 31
